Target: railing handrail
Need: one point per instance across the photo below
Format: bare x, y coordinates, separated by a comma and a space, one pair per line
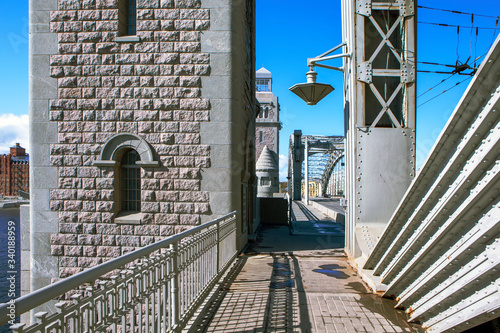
32, 300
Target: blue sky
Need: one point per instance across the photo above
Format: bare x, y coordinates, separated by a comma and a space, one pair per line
289, 32
288, 35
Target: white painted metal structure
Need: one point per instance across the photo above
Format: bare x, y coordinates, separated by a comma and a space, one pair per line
440, 254
319, 154
156, 288
379, 104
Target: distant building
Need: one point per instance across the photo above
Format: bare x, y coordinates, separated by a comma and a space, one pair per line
14, 171
283, 187
267, 129
314, 188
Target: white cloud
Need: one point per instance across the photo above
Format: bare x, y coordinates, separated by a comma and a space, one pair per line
13, 128
283, 166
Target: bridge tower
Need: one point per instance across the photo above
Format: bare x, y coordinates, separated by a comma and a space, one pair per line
379, 105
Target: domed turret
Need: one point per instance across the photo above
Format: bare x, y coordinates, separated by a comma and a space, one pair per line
267, 174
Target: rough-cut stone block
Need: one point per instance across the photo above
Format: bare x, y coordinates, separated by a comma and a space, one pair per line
108, 251
166, 218
189, 173
89, 239
89, 251
148, 4
70, 228
65, 272
108, 229
63, 15
186, 25
187, 138
202, 162
57, 250
182, 208
128, 241
87, 262
68, 262
63, 239
189, 219
73, 251
187, 185
166, 207
108, 240
150, 207
147, 230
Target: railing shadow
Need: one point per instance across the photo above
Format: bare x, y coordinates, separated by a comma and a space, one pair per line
274, 303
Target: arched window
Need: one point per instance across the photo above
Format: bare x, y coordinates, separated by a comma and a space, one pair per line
127, 153
130, 182
127, 18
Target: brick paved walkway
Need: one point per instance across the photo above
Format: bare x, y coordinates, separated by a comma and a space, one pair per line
297, 283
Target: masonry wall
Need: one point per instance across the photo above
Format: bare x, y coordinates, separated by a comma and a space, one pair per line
184, 88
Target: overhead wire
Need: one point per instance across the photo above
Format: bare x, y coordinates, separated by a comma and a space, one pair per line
454, 25
457, 12
446, 90
442, 81
472, 28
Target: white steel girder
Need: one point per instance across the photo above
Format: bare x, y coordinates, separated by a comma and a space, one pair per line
379, 104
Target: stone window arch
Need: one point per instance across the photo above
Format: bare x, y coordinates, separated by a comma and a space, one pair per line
112, 150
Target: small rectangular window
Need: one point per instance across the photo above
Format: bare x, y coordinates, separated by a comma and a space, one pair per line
260, 136
127, 18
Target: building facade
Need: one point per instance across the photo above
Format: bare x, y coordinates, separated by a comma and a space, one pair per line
142, 125
14, 171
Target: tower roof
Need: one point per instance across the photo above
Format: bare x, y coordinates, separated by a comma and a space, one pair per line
263, 74
266, 161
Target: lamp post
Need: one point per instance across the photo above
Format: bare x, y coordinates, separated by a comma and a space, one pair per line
379, 73
311, 91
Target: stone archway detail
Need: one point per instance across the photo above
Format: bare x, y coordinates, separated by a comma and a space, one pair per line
121, 141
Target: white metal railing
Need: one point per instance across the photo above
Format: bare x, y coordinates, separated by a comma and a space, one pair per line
156, 288
439, 254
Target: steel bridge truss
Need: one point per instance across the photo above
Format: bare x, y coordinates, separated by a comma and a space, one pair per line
324, 163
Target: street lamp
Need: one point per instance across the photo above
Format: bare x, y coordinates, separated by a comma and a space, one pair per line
311, 91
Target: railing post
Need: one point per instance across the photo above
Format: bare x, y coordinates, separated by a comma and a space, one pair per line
218, 247
175, 285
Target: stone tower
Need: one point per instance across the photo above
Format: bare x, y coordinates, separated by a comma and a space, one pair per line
268, 123
142, 125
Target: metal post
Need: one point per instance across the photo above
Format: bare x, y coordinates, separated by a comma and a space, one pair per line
306, 173
297, 158
217, 245
175, 285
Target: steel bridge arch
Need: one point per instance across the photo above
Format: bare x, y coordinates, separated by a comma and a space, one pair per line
335, 157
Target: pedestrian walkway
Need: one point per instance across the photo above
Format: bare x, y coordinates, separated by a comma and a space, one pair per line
298, 283
307, 220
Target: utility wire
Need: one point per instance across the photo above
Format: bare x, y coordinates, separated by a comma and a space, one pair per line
425, 92
446, 90
456, 12
455, 26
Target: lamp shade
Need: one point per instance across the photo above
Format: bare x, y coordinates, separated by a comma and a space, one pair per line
311, 92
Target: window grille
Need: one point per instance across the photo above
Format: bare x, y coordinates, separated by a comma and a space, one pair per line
127, 18
131, 182
262, 84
